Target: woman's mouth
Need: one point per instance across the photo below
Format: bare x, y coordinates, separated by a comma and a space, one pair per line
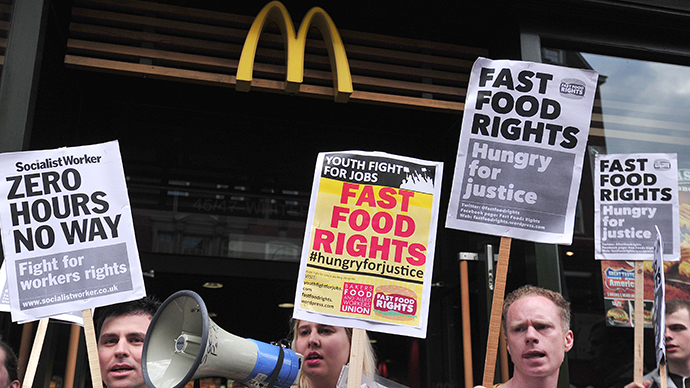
312, 358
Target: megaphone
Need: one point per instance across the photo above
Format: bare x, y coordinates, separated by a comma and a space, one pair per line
183, 344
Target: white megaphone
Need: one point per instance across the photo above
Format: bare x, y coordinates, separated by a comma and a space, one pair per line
183, 344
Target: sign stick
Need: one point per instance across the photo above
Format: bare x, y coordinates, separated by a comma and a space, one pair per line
25, 348
496, 310
662, 375
639, 322
466, 325
92, 348
72, 351
35, 353
354, 377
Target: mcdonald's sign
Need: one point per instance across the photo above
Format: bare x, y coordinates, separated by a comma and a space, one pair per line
275, 12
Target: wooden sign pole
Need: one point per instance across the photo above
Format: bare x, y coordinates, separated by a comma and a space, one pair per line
638, 365
354, 376
496, 310
662, 375
25, 348
466, 324
35, 353
92, 349
72, 351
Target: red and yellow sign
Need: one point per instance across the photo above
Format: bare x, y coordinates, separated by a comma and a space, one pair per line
368, 251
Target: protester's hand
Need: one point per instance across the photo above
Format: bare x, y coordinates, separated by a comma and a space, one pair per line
646, 384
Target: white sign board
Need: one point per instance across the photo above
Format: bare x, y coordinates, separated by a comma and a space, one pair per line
521, 150
74, 317
633, 194
67, 231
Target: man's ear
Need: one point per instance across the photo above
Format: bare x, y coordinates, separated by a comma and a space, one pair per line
569, 340
15, 384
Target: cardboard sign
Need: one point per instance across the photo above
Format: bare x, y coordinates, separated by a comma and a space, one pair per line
521, 150
67, 231
73, 317
368, 250
633, 194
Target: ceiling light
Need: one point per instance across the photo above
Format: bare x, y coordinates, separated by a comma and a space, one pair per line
569, 253
213, 285
286, 305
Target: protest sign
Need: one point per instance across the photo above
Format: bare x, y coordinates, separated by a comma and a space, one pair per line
67, 230
633, 193
659, 301
521, 150
368, 250
73, 317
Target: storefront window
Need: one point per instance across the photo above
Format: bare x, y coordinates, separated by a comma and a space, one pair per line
640, 107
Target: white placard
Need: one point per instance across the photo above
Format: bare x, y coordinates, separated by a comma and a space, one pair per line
521, 150
67, 231
73, 317
633, 194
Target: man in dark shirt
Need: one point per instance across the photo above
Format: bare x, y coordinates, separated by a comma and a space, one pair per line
677, 348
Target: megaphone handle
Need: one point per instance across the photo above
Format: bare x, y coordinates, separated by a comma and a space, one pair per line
276, 370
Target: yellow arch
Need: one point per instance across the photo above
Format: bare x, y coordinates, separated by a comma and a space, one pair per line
295, 44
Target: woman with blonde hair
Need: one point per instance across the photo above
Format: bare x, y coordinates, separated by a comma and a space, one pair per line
326, 349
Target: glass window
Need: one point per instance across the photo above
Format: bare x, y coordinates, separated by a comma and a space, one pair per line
640, 107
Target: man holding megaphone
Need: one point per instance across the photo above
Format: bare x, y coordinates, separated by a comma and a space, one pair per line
121, 329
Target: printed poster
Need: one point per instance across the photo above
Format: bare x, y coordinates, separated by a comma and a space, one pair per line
633, 194
368, 250
618, 276
67, 231
521, 150
74, 317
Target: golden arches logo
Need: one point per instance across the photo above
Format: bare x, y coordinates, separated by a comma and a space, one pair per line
275, 12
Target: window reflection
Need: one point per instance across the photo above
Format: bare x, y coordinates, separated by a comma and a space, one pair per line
641, 106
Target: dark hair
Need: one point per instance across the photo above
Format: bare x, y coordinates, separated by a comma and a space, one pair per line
147, 305
674, 305
10, 361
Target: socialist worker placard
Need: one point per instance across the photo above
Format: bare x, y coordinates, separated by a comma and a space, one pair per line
368, 251
67, 231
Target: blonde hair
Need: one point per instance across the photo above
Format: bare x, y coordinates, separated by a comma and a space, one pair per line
530, 290
369, 369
